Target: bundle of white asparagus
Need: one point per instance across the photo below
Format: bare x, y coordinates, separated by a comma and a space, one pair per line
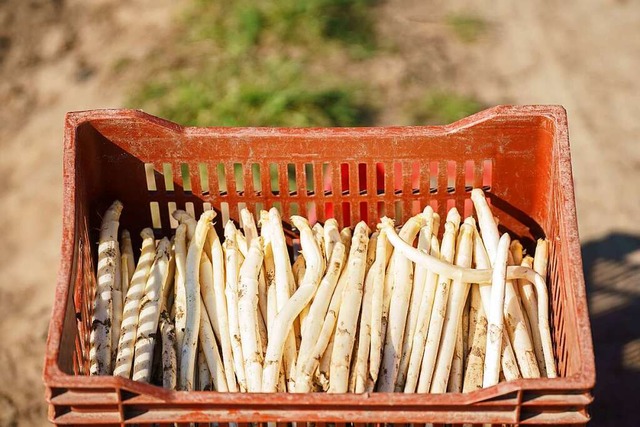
356, 311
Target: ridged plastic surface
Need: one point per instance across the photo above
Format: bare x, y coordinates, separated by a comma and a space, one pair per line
520, 155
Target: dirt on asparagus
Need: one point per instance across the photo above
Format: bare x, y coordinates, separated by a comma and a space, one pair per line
63, 55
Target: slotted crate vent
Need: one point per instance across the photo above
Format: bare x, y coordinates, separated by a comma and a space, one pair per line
519, 155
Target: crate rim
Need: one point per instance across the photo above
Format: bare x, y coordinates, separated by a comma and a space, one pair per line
54, 377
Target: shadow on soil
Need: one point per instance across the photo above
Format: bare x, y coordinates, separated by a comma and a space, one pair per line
612, 274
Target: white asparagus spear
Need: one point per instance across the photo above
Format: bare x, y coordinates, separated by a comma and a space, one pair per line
540, 266
515, 321
248, 315
495, 317
324, 368
398, 307
422, 326
180, 296
233, 261
192, 287
108, 259
452, 326
419, 279
349, 310
118, 307
298, 269
241, 241
346, 234
319, 306
478, 343
375, 275
378, 278
150, 313
438, 312
283, 278
251, 233
184, 217
331, 236
508, 357
454, 384
283, 322
210, 348
318, 233
204, 375
269, 269
131, 311
126, 248
169, 350
371, 250
218, 313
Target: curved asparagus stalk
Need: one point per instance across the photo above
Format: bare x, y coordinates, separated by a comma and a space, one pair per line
248, 315
419, 279
233, 259
193, 316
455, 304
495, 316
131, 311
150, 313
318, 309
422, 324
438, 312
180, 293
283, 279
378, 278
210, 349
515, 321
349, 310
540, 264
398, 307
284, 320
108, 259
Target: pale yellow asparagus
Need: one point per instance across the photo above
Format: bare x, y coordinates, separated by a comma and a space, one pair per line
169, 350
324, 369
318, 309
184, 217
107, 275
331, 235
126, 248
241, 241
515, 321
508, 358
218, 314
422, 327
251, 232
495, 317
383, 250
150, 306
298, 269
419, 279
269, 269
283, 322
131, 311
118, 307
346, 234
455, 380
180, 296
233, 261
193, 306
248, 315
318, 233
438, 312
283, 279
477, 343
452, 326
204, 375
540, 266
348, 316
398, 307
375, 275
210, 349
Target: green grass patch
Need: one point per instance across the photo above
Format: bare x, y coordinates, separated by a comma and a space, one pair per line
443, 108
468, 28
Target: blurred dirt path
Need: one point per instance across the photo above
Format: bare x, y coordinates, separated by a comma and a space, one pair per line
62, 56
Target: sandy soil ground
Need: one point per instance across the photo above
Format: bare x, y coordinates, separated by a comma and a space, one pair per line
583, 55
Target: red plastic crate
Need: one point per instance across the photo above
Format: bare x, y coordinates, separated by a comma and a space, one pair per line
520, 155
